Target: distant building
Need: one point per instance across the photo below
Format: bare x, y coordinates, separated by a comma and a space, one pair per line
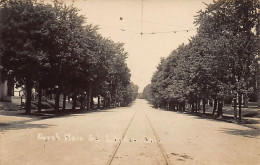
6, 88
3, 88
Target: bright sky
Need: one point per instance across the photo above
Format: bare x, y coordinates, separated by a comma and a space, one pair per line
144, 50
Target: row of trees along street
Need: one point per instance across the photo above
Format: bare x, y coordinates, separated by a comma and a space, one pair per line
49, 47
219, 64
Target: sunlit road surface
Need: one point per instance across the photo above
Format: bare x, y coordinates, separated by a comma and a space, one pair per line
138, 134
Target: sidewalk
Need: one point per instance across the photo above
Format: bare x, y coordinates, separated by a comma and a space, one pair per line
12, 113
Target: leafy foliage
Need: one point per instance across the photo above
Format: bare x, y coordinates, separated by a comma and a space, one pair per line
219, 63
49, 47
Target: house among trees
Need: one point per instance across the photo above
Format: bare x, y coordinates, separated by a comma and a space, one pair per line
6, 88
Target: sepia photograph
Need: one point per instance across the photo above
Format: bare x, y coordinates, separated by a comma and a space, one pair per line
129, 82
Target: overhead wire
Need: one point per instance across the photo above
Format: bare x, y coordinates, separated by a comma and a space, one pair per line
142, 22
151, 22
146, 33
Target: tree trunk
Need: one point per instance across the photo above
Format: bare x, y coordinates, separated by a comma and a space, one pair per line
183, 106
82, 102
220, 108
39, 98
258, 100
92, 102
204, 106
109, 101
57, 101
258, 69
235, 109
64, 101
192, 107
210, 103
89, 98
198, 105
98, 105
245, 100
170, 106
239, 106
28, 105
214, 106
258, 90
74, 101
104, 102
115, 98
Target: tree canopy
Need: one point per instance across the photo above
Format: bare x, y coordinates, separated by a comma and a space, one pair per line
51, 47
219, 63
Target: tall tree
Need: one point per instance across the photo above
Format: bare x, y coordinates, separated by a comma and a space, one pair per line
22, 49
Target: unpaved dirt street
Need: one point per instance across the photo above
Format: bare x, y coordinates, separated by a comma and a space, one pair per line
138, 134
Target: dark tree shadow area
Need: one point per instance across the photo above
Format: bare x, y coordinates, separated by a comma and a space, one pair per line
229, 119
249, 133
225, 118
45, 114
24, 122
68, 112
18, 125
50, 113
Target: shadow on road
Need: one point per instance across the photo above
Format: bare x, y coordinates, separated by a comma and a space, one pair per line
25, 124
250, 133
208, 115
23, 120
